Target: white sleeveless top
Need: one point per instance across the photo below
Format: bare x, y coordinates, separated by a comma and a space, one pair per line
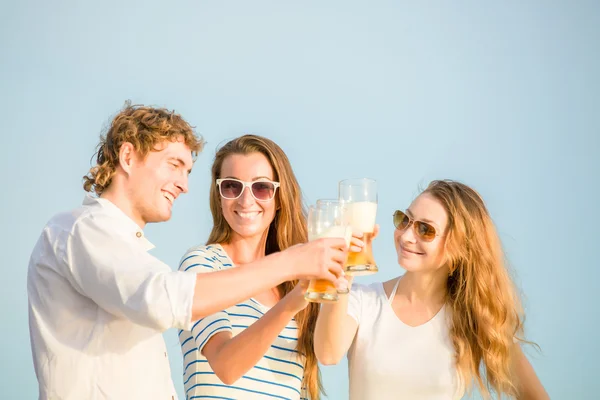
391, 360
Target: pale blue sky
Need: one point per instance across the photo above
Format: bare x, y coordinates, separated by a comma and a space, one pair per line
501, 95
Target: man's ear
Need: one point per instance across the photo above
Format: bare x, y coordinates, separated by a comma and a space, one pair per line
127, 156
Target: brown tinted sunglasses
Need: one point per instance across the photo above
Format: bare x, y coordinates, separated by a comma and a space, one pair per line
423, 230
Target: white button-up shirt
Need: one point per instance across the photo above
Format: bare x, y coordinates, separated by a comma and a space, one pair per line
98, 304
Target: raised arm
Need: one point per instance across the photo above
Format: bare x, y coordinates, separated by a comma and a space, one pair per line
137, 286
338, 322
335, 329
321, 258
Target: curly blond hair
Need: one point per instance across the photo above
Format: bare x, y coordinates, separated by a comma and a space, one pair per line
144, 127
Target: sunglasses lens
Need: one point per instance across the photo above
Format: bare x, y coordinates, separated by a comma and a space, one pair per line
231, 189
263, 190
401, 220
425, 231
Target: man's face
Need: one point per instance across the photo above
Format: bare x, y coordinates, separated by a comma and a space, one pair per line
158, 179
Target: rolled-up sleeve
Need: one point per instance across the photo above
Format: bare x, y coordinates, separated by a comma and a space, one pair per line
124, 279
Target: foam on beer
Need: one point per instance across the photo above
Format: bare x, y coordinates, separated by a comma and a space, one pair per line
336, 231
361, 215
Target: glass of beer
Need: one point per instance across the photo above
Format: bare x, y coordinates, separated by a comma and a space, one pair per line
325, 220
334, 207
358, 198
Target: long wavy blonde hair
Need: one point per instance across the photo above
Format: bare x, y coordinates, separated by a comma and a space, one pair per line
287, 229
486, 312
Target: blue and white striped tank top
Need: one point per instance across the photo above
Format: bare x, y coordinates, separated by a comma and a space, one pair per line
278, 375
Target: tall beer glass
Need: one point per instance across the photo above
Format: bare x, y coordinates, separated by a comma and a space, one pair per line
325, 220
359, 201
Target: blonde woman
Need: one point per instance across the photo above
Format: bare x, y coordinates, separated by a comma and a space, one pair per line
261, 348
427, 333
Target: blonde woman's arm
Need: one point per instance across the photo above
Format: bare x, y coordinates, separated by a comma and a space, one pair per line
529, 386
338, 322
335, 329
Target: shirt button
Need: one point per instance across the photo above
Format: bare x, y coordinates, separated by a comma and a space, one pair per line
138, 234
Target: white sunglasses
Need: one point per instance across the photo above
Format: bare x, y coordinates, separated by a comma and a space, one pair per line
232, 189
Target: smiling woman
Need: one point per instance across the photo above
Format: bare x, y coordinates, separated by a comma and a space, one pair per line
248, 212
262, 346
455, 312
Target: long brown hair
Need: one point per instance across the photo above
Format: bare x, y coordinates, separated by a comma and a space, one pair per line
486, 312
144, 127
287, 229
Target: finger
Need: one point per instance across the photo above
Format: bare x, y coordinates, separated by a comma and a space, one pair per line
331, 277
356, 243
303, 284
303, 288
339, 256
357, 234
335, 243
342, 285
336, 270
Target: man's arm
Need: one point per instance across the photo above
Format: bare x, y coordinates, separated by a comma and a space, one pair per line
124, 279
321, 259
130, 283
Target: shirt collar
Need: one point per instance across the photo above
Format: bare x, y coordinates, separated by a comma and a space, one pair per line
124, 224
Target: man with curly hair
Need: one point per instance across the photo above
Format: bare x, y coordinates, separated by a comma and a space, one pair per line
98, 301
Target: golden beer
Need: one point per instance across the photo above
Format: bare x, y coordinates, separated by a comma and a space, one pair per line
325, 221
321, 291
359, 203
362, 262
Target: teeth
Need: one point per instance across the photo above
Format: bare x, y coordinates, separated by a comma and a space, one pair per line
248, 215
169, 197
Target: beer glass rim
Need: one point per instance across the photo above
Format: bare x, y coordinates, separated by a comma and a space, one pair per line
357, 185
325, 201
350, 181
